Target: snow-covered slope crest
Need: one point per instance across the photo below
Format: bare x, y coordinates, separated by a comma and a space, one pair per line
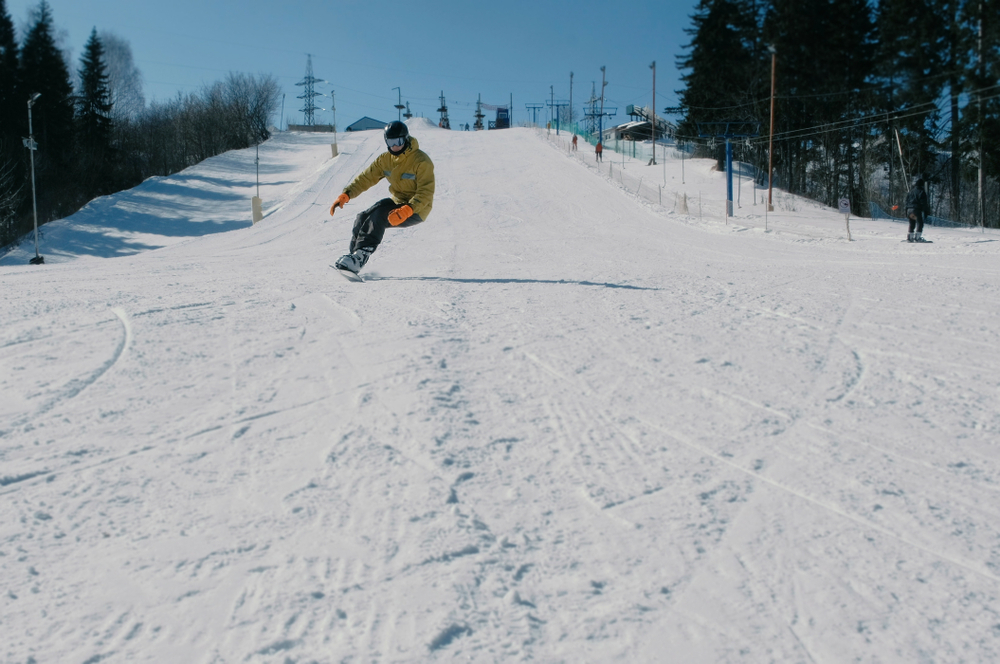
558, 423
211, 197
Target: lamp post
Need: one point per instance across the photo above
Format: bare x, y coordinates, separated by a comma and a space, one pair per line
770, 140
32, 146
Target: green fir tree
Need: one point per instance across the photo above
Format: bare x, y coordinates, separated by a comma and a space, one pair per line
44, 71
93, 121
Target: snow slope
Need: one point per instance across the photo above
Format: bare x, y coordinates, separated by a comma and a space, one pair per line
559, 423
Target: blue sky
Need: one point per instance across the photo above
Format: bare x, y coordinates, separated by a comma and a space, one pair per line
367, 49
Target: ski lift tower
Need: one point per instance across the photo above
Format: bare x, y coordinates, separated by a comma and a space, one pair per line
728, 131
399, 104
598, 113
309, 82
534, 108
556, 105
443, 123
590, 109
479, 115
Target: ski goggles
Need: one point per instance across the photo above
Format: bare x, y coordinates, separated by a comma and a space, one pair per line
395, 142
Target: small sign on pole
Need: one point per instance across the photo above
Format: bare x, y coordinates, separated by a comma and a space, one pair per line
845, 209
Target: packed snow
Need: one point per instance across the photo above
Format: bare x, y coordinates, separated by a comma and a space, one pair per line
560, 422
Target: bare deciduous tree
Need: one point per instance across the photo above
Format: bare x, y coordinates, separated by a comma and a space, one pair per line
124, 78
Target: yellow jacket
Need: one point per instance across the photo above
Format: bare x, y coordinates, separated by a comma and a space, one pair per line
410, 175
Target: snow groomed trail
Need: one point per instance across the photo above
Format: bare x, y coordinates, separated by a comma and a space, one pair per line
557, 423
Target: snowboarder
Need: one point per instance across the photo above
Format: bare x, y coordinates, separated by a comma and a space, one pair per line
916, 208
411, 194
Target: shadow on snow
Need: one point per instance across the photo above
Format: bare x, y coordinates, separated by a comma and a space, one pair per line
374, 277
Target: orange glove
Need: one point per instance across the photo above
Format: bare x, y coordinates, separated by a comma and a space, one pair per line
400, 214
339, 203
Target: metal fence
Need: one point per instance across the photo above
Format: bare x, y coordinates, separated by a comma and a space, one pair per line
641, 150
638, 176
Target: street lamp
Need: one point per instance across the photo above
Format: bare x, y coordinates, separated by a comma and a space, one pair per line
770, 140
32, 146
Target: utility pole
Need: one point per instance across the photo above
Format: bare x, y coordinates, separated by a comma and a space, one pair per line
570, 118
653, 67
591, 122
309, 83
770, 140
600, 118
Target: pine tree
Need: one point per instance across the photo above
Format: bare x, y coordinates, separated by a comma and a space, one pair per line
981, 127
44, 71
93, 121
797, 31
12, 118
723, 71
12, 108
990, 13
911, 61
850, 72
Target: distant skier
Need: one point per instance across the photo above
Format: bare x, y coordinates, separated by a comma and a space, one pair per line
574, 143
599, 151
411, 189
917, 208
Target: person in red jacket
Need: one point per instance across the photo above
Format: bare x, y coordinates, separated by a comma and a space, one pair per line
411, 195
599, 150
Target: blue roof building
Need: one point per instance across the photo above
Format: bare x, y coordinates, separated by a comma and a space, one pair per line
366, 123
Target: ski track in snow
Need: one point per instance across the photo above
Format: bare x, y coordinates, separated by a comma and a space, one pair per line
557, 423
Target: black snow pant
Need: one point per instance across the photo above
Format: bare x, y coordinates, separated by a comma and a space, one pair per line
370, 225
916, 221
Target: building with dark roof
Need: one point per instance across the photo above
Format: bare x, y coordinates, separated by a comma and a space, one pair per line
366, 123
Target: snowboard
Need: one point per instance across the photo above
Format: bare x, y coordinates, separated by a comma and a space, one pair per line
920, 241
350, 276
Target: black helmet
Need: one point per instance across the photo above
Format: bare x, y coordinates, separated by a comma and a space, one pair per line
397, 134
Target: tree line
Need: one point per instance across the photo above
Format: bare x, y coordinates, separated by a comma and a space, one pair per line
95, 134
868, 96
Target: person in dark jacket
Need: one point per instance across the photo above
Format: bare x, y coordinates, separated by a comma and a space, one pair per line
917, 208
